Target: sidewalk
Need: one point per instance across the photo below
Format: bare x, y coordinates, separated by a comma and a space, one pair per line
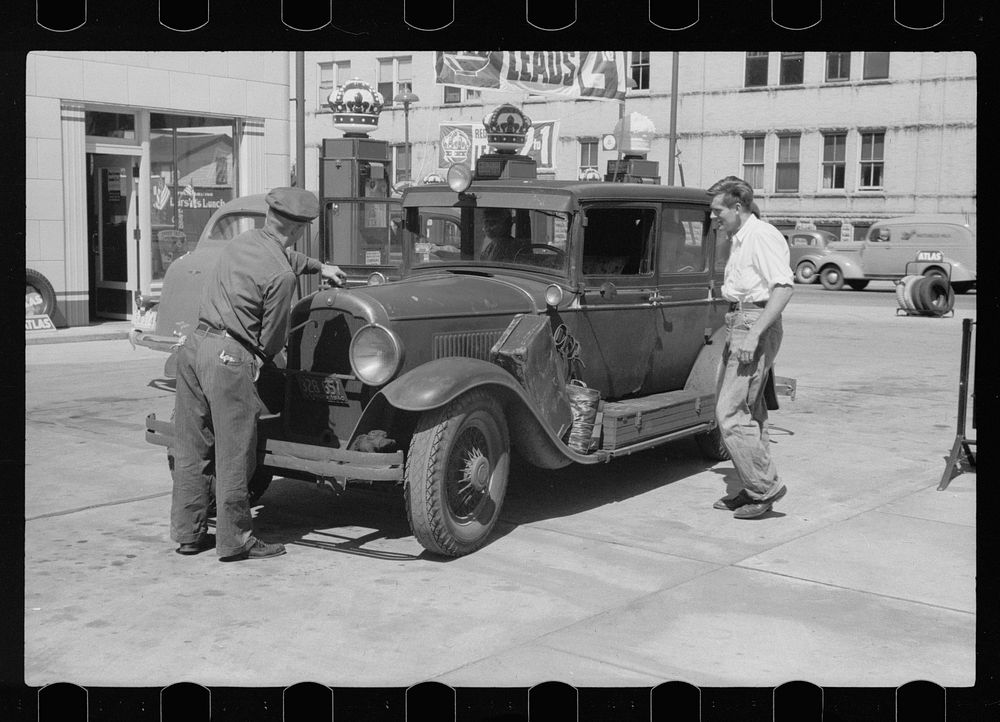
104, 331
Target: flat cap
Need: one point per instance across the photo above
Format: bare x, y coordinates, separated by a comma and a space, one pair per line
294, 203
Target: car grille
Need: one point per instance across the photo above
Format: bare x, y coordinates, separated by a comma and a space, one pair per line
472, 344
324, 342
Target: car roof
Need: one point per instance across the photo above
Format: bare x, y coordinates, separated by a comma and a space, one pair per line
579, 190
254, 203
949, 218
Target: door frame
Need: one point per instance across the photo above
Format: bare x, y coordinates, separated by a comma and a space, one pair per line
135, 154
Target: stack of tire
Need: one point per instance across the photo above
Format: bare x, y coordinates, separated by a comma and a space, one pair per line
928, 295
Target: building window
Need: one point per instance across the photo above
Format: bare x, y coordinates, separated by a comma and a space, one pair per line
756, 70
401, 162
453, 94
193, 171
331, 77
786, 177
834, 160
588, 155
394, 77
838, 66
872, 159
109, 125
791, 68
753, 161
639, 69
876, 66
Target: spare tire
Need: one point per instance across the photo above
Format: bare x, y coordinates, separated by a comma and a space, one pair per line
905, 292
39, 296
935, 296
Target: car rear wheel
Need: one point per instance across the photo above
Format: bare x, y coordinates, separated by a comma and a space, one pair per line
831, 278
711, 446
456, 474
805, 273
961, 287
857, 285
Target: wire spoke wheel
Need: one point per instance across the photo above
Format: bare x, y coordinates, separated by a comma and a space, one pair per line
456, 474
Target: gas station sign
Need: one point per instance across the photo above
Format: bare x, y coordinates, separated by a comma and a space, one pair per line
465, 142
598, 75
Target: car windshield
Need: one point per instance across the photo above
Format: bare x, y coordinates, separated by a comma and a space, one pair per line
446, 236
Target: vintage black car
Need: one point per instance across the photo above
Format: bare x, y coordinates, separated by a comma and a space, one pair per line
431, 381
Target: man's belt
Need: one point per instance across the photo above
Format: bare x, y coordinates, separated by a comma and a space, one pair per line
211, 330
740, 305
204, 328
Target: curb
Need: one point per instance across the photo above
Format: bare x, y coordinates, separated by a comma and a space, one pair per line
73, 338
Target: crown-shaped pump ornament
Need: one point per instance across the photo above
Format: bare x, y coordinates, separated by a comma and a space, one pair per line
506, 128
356, 108
634, 133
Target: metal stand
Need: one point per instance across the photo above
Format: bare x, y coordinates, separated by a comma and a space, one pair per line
961, 442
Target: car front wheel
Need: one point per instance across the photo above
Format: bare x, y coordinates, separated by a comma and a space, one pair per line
831, 278
456, 474
805, 273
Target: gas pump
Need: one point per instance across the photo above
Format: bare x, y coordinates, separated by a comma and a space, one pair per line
360, 214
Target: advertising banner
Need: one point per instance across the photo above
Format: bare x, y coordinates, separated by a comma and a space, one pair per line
464, 142
598, 75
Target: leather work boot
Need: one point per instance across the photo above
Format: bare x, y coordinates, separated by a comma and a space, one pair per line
758, 508
204, 543
259, 550
732, 503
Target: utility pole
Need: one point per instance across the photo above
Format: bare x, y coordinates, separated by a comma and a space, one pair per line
673, 118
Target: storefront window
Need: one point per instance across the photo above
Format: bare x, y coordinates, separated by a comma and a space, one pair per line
100, 124
192, 173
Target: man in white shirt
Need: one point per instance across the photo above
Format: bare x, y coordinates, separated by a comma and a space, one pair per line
758, 284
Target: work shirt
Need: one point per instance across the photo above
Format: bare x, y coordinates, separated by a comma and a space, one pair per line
249, 290
758, 261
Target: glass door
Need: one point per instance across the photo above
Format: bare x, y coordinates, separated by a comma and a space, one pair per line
112, 219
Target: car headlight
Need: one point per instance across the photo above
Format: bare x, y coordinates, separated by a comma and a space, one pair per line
375, 354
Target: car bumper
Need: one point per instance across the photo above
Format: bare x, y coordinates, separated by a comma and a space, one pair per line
140, 337
302, 460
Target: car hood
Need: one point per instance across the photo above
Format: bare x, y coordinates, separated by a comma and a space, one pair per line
436, 296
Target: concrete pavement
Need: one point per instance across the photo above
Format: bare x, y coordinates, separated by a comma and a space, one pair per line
618, 575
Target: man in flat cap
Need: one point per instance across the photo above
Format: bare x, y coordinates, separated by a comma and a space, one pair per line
242, 323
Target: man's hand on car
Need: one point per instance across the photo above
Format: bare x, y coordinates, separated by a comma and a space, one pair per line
333, 274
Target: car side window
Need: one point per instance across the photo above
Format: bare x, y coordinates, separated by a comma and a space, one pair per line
619, 241
682, 239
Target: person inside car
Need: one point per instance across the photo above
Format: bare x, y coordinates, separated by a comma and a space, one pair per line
500, 245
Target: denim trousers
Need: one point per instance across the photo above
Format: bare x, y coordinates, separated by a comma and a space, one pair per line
216, 409
740, 406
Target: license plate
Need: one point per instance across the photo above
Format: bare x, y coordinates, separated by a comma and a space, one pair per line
146, 320
317, 387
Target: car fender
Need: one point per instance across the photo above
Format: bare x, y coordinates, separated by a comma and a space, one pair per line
436, 383
816, 259
848, 264
707, 370
960, 271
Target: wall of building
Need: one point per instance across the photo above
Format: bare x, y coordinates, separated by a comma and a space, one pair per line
927, 108
252, 86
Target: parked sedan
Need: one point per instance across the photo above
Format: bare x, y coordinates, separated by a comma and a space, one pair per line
803, 249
